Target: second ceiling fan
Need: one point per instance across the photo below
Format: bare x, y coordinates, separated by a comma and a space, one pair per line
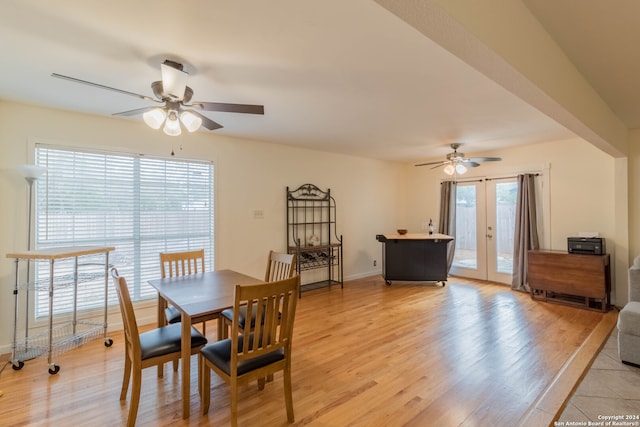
457, 163
173, 92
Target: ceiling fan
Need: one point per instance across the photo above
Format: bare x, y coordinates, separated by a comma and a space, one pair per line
173, 92
457, 163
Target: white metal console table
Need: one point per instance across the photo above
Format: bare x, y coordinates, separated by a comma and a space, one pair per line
65, 335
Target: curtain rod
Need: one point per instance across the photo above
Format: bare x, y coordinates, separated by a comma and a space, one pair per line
455, 182
487, 179
509, 177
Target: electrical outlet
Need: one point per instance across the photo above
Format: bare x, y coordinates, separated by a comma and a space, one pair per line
258, 214
375, 262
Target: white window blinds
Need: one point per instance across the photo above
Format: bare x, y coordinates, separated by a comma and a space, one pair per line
140, 205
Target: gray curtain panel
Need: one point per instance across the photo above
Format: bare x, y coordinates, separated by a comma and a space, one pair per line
447, 224
526, 231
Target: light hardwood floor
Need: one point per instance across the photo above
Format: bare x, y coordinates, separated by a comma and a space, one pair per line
417, 354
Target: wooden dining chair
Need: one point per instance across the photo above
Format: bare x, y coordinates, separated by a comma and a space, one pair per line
179, 264
254, 353
150, 348
279, 266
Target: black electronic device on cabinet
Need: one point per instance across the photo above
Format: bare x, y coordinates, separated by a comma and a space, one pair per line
312, 236
586, 245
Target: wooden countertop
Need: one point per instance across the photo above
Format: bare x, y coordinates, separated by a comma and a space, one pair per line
417, 236
60, 252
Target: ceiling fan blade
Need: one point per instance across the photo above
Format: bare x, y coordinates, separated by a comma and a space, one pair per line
230, 108
440, 163
470, 163
73, 79
134, 112
206, 121
484, 159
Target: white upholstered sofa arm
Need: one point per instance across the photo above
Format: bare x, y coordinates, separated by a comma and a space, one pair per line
634, 280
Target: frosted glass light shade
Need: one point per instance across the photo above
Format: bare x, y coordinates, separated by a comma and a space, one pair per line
460, 168
154, 118
449, 169
172, 125
174, 81
32, 172
190, 121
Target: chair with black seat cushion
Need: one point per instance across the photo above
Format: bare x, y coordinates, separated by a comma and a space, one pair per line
180, 264
254, 353
151, 348
279, 266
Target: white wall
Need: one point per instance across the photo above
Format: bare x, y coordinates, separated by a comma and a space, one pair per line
250, 176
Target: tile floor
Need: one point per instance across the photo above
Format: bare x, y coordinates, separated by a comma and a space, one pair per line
609, 388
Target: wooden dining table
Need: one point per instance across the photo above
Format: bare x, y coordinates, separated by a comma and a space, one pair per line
198, 297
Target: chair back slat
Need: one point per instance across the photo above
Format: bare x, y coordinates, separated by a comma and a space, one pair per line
280, 266
275, 303
181, 263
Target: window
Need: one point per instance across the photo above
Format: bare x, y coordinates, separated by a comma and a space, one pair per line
140, 205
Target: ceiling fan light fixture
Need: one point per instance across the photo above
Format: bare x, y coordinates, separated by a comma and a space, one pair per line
172, 125
174, 82
190, 121
173, 92
457, 163
154, 118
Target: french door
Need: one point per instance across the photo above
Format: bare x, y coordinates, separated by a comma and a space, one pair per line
485, 224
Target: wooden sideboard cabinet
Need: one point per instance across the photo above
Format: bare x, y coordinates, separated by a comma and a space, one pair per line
576, 279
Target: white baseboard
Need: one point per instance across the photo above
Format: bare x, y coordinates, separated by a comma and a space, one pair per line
365, 274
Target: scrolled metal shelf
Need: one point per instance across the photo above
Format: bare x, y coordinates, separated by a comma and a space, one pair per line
312, 236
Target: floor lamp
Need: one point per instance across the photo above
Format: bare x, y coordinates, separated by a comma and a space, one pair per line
30, 173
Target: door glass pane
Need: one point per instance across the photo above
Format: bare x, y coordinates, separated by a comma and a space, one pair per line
506, 194
466, 255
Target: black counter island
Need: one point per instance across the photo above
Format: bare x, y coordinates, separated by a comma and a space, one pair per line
414, 257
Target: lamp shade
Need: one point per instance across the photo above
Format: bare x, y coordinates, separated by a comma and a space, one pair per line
190, 121
460, 168
154, 118
449, 169
172, 125
174, 81
32, 172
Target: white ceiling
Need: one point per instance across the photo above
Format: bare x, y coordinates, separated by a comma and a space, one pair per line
601, 38
334, 75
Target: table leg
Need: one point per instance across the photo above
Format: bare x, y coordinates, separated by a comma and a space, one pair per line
222, 333
161, 321
186, 365
162, 304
